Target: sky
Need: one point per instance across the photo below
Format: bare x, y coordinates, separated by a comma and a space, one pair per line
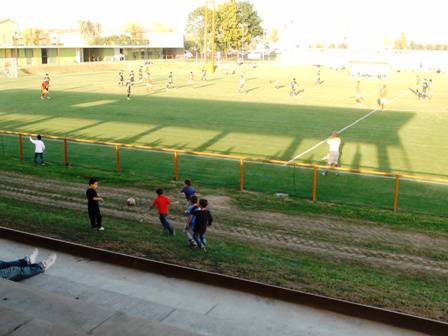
316, 20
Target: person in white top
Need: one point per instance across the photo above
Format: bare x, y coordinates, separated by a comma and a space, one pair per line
334, 143
39, 148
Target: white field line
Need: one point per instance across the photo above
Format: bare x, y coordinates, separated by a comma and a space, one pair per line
298, 156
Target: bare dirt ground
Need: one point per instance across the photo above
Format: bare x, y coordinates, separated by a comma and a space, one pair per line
361, 241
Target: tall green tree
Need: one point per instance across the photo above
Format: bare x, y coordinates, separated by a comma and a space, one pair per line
137, 32
195, 27
235, 21
89, 30
248, 16
33, 36
230, 29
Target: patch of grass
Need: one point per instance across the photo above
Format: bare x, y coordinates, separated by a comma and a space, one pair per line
422, 294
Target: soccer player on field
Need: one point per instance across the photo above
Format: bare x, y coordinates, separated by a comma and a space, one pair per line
242, 83
203, 75
418, 87
128, 89
383, 97
293, 85
191, 78
121, 78
359, 96
47, 79
140, 73
170, 83
334, 143
429, 92
44, 90
148, 81
131, 77
318, 81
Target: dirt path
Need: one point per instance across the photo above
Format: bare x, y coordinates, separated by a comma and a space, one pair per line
317, 235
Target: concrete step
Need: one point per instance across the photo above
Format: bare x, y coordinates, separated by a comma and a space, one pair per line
15, 323
50, 311
184, 319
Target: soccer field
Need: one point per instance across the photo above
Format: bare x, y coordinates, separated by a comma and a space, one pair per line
212, 116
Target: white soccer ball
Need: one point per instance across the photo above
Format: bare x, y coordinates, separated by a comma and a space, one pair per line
131, 201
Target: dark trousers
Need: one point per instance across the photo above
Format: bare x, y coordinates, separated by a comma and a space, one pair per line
95, 217
38, 158
166, 223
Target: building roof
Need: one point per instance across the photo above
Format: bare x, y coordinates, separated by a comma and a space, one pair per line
75, 40
7, 20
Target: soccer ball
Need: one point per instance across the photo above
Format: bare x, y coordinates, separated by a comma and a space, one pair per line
131, 201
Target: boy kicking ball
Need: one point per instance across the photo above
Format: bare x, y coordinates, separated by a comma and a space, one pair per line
242, 83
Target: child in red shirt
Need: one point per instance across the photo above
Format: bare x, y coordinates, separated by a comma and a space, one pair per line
162, 202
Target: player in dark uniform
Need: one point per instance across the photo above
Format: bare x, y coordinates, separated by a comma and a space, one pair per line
132, 77
121, 78
140, 73
128, 89
170, 84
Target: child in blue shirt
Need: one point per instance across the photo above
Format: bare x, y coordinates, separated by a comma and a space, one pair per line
189, 225
188, 190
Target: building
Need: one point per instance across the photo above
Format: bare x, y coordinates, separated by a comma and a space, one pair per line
68, 47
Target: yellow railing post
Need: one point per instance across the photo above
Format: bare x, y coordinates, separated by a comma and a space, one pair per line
314, 183
397, 188
241, 175
20, 146
176, 166
117, 158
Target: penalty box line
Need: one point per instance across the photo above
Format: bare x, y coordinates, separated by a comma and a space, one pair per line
298, 156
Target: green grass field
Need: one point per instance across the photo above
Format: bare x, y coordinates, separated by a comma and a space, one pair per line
389, 252
212, 116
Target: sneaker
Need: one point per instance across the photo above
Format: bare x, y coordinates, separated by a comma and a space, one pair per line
33, 256
49, 261
325, 173
173, 233
101, 228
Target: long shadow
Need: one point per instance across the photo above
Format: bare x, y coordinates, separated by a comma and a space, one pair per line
16, 123
212, 141
253, 89
136, 137
356, 162
79, 129
290, 121
203, 86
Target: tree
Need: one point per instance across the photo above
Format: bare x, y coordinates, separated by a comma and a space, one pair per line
235, 21
137, 32
33, 36
248, 16
160, 27
274, 35
230, 29
402, 42
89, 30
195, 27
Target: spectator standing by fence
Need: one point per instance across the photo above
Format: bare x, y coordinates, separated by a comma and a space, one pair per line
162, 202
93, 205
39, 148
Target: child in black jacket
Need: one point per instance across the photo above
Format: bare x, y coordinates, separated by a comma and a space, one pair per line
203, 218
